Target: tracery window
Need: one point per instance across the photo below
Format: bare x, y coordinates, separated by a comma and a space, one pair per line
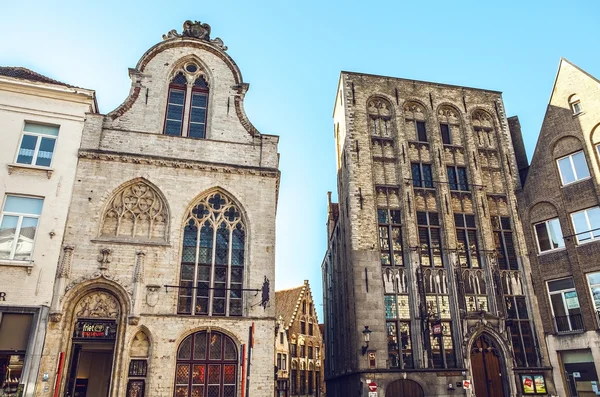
421, 175
503, 241
212, 259
390, 237
137, 210
435, 287
187, 103
466, 236
206, 366
397, 313
430, 241
475, 287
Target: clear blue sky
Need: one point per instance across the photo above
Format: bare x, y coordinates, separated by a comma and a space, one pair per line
291, 53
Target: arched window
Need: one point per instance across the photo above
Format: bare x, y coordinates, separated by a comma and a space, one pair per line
187, 103
212, 259
575, 104
206, 366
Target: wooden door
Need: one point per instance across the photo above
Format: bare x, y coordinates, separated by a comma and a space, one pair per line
486, 368
404, 388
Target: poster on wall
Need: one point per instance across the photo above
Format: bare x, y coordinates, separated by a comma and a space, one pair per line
571, 300
533, 384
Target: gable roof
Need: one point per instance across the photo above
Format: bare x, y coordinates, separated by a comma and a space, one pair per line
287, 303
560, 66
22, 73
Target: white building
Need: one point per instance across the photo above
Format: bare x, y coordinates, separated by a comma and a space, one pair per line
41, 122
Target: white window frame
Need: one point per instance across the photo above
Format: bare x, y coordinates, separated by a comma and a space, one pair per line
562, 293
20, 216
537, 240
39, 136
591, 230
590, 286
573, 169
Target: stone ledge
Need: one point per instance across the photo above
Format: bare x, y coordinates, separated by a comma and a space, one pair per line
33, 168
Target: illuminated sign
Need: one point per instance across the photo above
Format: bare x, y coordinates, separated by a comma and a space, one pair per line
95, 329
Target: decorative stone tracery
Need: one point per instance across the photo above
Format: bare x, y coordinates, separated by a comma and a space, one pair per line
98, 304
138, 211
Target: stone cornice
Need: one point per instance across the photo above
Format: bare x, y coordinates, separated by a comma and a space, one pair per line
104, 155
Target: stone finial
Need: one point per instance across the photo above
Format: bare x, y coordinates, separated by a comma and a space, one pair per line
196, 30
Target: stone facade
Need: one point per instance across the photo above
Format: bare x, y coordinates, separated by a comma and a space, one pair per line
426, 279
561, 187
42, 122
170, 239
298, 319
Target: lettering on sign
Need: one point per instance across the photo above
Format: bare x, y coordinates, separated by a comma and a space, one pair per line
95, 329
2, 296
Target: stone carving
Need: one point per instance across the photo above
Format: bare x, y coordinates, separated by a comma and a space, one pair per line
104, 258
136, 211
105, 274
64, 269
196, 30
97, 304
414, 107
140, 346
379, 107
152, 295
138, 273
447, 112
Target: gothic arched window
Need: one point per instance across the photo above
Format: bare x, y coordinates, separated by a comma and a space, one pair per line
206, 366
212, 259
187, 103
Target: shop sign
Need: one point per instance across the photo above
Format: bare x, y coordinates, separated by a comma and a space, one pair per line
571, 299
437, 329
95, 329
2, 296
533, 384
466, 384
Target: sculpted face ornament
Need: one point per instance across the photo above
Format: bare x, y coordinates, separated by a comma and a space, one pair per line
196, 30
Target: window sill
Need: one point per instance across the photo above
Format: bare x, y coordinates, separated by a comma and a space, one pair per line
586, 242
578, 114
575, 332
552, 251
575, 182
34, 168
15, 263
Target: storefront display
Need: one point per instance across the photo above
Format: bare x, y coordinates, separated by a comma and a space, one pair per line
11, 369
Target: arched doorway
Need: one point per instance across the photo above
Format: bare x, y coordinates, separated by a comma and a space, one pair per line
206, 366
404, 388
486, 367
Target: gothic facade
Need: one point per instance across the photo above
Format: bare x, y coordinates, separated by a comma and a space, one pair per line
163, 286
426, 278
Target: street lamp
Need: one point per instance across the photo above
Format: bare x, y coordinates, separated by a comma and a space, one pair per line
367, 337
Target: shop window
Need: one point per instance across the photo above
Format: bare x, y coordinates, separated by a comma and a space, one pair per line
206, 366
37, 144
549, 235
504, 244
430, 242
565, 305
594, 283
573, 168
14, 337
18, 226
457, 178
390, 237
421, 175
586, 224
213, 258
445, 132
187, 103
466, 236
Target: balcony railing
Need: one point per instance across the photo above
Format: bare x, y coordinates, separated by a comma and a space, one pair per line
570, 323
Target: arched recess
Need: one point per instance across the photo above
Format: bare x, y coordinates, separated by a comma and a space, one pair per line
542, 211
450, 116
213, 256
139, 356
566, 145
488, 366
207, 363
404, 388
484, 129
136, 210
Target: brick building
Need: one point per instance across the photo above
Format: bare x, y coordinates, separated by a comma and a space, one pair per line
163, 284
41, 123
298, 319
426, 277
559, 207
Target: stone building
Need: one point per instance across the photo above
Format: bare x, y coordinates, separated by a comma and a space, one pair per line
41, 123
298, 318
282, 359
163, 284
426, 277
559, 208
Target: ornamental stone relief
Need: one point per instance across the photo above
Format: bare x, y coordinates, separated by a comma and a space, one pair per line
97, 305
136, 211
379, 107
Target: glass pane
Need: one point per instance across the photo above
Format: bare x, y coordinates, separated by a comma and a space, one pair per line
173, 128
197, 130
215, 346
176, 97
558, 306
7, 232
594, 218
181, 391
185, 349
190, 241
596, 296
594, 278
229, 374
41, 129
559, 285
23, 205
416, 174
462, 179
200, 346
182, 374
198, 391
197, 115
581, 226
566, 170
230, 350
44, 156
199, 100
581, 168
25, 241
445, 130
222, 245
391, 309
27, 149
382, 216
206, 243
237, 247
452, 178
214, 374
427, 176
175, 112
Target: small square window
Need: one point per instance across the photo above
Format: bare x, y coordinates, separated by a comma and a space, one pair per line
576, 107
37, 144
18, 226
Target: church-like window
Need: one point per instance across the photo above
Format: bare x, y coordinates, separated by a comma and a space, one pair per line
187, 103
206, 366
212, 259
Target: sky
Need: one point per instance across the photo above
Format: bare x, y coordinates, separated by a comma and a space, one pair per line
291, 54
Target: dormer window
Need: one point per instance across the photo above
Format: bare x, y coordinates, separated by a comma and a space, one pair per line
187, 103
575, 104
